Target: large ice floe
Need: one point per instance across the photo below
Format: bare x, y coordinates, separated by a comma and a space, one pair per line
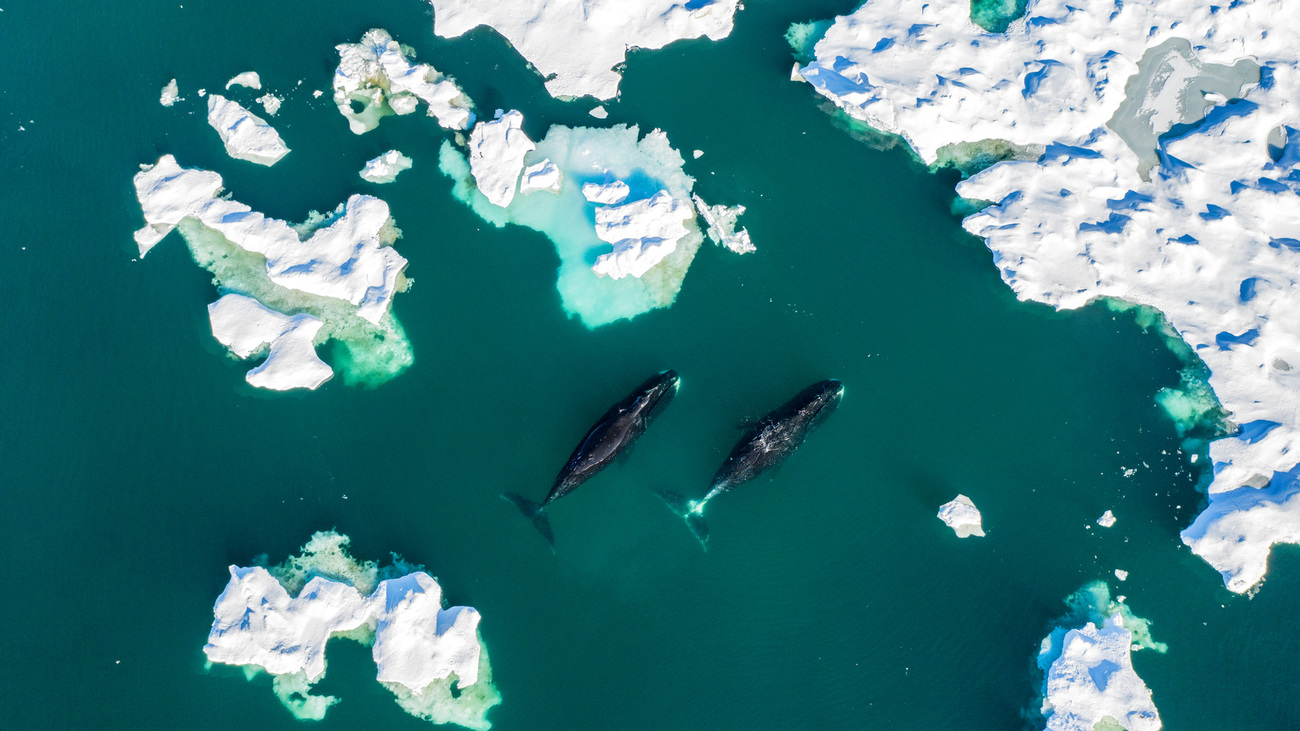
618, 209
1151, 155
575, 44
376, 78
1088, 678
333, 277
279, 620
245, 135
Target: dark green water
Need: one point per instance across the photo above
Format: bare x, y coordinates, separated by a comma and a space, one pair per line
134, 464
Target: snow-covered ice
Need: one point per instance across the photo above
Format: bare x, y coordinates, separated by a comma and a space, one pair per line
643, 233
606, 193
543, 176
386, 167
575, 44
721, 225
249, 79
270, 102
1106, 520
599, 112
279, 620
377, 75
1121, 574
496, 155
248, 328
1089, 682
339, 268
962, 516
245, 135
1154, 158
170, 94
600, 157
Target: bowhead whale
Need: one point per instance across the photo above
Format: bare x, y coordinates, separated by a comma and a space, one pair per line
764, 445
622, 425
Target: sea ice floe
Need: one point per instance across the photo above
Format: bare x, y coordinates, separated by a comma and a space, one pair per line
577, 44
962, 516
386, 167
280, 620
249, 79
1154, 162
652, 171
496, 156
544, 176
377, 75
339, 268
1106, 520
270, 102
170, 94
1089, 683
249, 328
245, 135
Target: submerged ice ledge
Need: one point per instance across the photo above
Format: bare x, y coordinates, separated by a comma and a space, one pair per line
280, 620
1141, 178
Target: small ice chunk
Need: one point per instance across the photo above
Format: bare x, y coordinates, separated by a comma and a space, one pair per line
698, 154
246, 326
1106, 520
317, 94
721, 223
203, 93
270, 102
545, 175
246, 135
496, 155
606, 194
385, 168
248, 78
643, 233
962, 516
1121, 574
170, 94
599, 112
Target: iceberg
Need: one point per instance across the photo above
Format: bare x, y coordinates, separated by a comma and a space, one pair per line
248, 328
606, 193
170, 94
249, 79
962, 516
279, 620
1089, 682
576, 44
643, 233
541, 176
270, 102
376, 78
647, 166
1148, 155
1106, 520
245, 135
721, 223
496, 156
385, 168
339, 268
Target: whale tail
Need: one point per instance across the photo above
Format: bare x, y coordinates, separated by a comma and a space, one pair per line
690, 511
535, 512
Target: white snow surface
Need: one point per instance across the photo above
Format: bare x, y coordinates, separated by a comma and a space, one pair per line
256, 622
544, 175
606, 193
248, 78
345, 259
1210, 236
170, 94
580, 42
1093, 679
721, 225
1106, 520
246, 326
386, 167
643, 232
496, 155
246, 135
379, 74
962, 516
270, 102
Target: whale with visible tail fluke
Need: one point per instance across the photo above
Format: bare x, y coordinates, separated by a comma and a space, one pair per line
764, 445
610, 437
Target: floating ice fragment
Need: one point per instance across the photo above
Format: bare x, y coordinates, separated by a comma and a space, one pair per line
245, 135
643, 233
496, 155
1121, 574
598, 112
385, 168
378, 76
698, 154
721, 222
270, 102
962, 516
170, 94
247, 327
606, 193
541, 176
1106, 520
248, 78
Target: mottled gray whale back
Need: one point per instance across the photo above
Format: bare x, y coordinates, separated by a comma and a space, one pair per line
608, 438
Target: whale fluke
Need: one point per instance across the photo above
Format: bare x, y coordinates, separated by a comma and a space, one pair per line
535, 512
689, 511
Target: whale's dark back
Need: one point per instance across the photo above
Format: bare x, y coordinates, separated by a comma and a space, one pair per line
622, 425
778, 434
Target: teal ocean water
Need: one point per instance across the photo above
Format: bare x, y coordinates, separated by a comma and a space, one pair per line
135, 465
